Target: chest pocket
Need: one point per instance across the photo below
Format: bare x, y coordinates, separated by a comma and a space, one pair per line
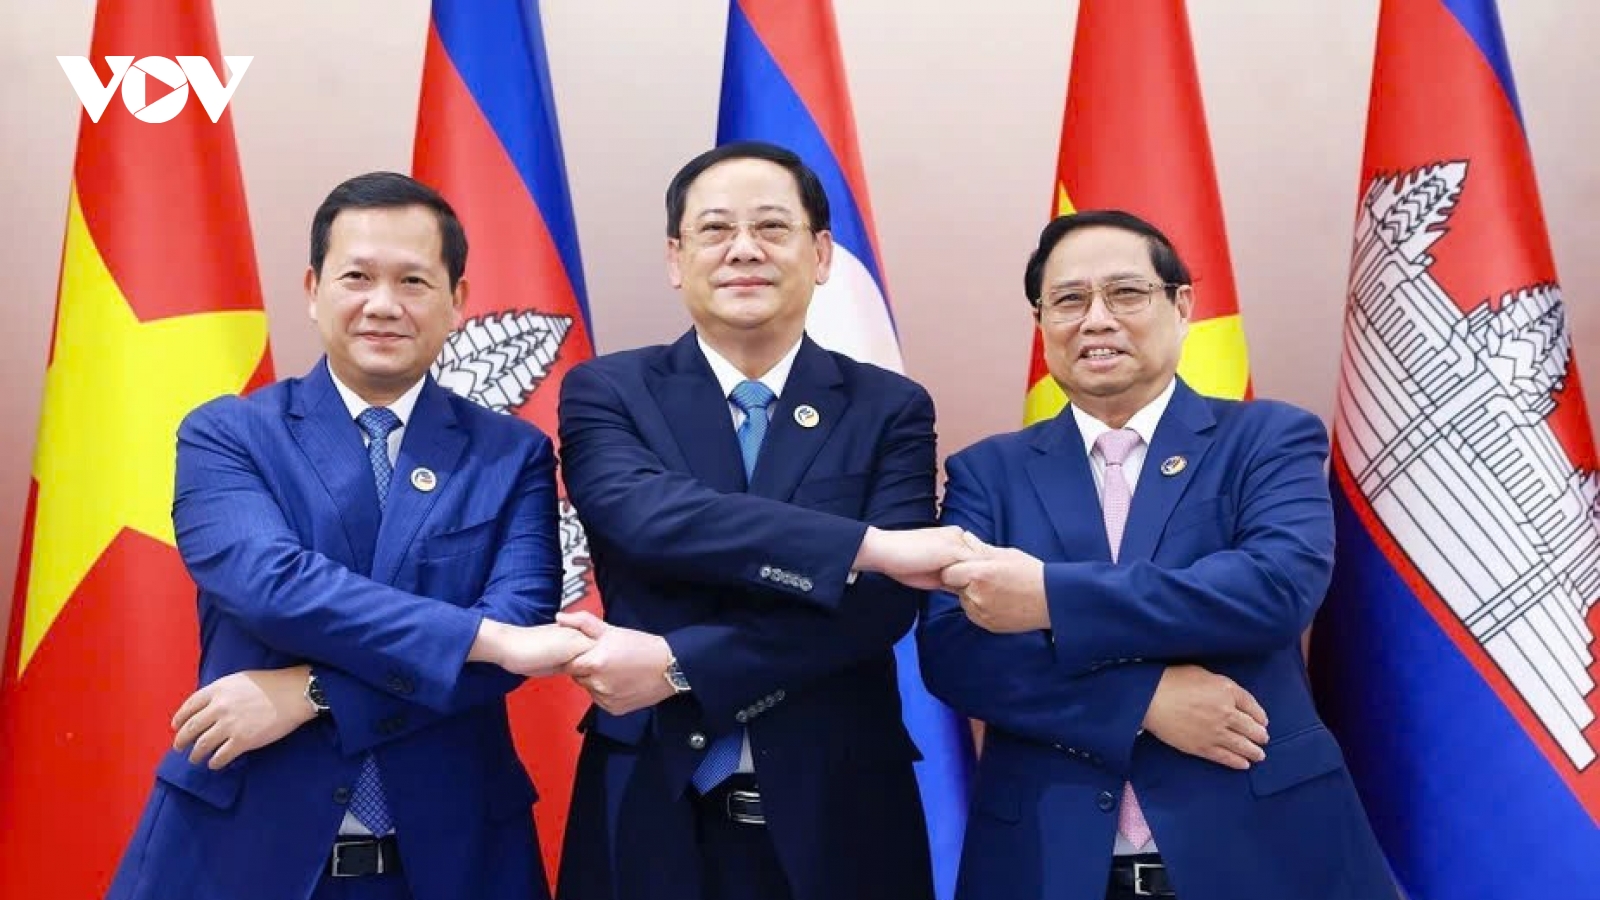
844, 495
454, 566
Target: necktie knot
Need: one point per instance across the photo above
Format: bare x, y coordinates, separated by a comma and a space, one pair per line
378, 422
750, 395
1114, 446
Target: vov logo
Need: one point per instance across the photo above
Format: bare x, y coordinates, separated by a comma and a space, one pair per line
133, 77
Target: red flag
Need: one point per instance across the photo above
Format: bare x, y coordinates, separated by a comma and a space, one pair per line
487, 139
158, 310
1134, 138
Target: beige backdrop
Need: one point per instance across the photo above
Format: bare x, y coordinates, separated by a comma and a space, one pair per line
958, 107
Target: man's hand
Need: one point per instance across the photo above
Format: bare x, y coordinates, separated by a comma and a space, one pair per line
626, 669
535, 651
1209, 716
914, 558
242, 712
1001, 588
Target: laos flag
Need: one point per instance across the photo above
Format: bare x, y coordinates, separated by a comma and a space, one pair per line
1455, 654
487, 139
783, 82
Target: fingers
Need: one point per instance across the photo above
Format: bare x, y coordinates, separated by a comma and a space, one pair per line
206, 743
1245, 701
1246, 726
586, 622
1224, 757
195, 702
958, 576
227, 753
1239, 745
197, 724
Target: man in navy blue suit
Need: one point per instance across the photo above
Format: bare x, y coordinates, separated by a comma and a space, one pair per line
372, 553
756, 509
1134, 648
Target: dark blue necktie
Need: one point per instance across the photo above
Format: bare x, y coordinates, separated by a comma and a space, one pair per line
367, 801
752, 398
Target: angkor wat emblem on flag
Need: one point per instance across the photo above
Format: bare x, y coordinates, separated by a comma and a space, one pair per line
1443, 419
498, 360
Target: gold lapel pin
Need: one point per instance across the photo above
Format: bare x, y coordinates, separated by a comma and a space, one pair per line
423, 479
1173, 465
807, 416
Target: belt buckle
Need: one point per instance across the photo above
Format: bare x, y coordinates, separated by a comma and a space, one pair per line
337, 866
744, 818
1139, 868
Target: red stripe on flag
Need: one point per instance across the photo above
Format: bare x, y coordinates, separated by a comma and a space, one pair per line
804, 40
171, 249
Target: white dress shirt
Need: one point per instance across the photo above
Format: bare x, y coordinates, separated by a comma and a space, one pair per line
1144, 422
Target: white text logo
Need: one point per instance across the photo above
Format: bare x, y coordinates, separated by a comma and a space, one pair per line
187, 72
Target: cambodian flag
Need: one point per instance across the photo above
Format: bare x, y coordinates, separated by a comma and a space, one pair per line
1455, 653
783, 82
487, 139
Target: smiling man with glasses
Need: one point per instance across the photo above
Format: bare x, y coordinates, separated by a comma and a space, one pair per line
1131, 642
759, 510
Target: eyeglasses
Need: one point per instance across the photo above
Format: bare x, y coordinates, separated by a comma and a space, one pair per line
720, 233
1123, 297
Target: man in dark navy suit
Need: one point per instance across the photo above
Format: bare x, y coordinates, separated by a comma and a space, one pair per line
755, 506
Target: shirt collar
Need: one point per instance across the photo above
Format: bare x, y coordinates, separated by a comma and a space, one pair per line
729, 376
1144, 421
401, 407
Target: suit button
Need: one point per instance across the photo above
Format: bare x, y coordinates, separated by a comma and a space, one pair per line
399, 684
766, 571
341, 796
1105, 801
697, 741
805, 584
741, 717
779, 695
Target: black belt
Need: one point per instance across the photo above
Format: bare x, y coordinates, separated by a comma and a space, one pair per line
1142, 875
738, 798
356, 856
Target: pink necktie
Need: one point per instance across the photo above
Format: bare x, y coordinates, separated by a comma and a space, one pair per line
1114, 447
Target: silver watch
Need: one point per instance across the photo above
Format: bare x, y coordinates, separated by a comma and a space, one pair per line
676, 678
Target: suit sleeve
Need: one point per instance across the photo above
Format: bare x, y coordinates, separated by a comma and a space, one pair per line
524, 588
746, 653
239, 549
673, 525
1012, 681
1255, 597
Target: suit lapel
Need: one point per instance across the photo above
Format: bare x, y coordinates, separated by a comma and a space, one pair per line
321, 425
1183, 433
789, 447
433, 441
1061, 476
697, 413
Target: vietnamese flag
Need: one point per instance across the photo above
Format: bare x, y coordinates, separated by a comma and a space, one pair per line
158, 310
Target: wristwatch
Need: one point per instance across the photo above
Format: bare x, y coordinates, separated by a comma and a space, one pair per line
676, 678
319, 700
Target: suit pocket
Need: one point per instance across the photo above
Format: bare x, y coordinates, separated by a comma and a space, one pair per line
1296, 759
452, 545
1216, 512
844, 495
998, 798
219, 789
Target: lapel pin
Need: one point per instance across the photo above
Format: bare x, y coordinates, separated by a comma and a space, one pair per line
1173, 465
423, 479
807, 416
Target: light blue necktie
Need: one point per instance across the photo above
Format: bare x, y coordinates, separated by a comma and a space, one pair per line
753, 398
367, 801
